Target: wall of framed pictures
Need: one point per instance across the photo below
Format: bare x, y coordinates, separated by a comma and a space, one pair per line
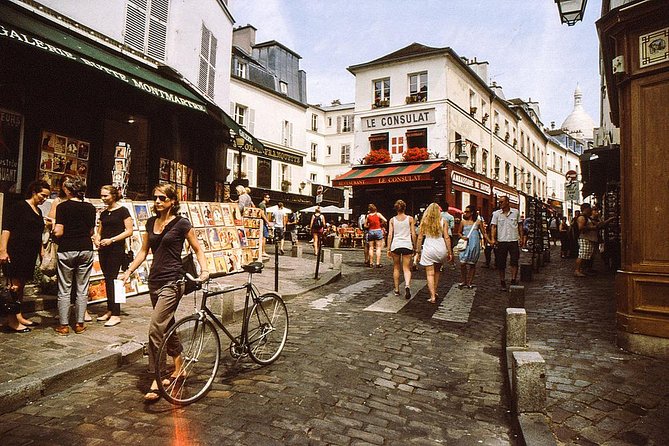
62, 155
228, 238
179, 175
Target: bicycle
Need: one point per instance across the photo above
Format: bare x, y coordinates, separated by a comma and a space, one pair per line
262, 338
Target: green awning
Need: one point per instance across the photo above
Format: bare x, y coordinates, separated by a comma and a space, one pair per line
24, 28
251, 143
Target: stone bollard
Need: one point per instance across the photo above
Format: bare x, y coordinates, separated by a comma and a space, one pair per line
337, 242
529, 382
516, 327
526, 272
327, 255
296, 251
517, 296
336, 260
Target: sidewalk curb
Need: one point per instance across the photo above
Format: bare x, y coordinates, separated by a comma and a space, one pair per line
17, 393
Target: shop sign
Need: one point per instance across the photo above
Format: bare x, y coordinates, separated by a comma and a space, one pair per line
385, 180
275, 154
410, 118
27, 39
460, 179
513, 198
10, 141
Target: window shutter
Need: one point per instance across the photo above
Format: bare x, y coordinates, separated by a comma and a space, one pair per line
232, 109
135, 25
290, 134
338, 124
212, 66
352, 122
202, 75
158, 17
251, 120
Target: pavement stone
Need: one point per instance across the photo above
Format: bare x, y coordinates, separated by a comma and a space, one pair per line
350, 376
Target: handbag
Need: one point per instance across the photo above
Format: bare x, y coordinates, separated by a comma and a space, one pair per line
462, 243
49, 264
8, 302
128, 257
189, 267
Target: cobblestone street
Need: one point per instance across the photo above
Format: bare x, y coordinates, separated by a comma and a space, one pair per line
362, 366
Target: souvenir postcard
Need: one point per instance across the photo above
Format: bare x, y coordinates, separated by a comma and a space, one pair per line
97, 290
217, 212
207, 214
164, 169
220, 262
46, 161
60, 145
214, 240
201, 235
142, 213
59, 163
48, 141
82, 168
178, 173
120, 152
236, 214
70, 166
173, 167
72, 148
248, 256
228, 216
196, 217
211, 265
234, 260
242, 238
183, 211
84, 150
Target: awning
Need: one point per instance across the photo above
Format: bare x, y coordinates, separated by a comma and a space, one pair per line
252, 145
25, 28
387, 173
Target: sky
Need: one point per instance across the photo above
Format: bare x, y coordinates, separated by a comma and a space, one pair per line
530, 54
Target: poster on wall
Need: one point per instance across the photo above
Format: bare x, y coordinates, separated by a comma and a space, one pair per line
62, 155
11, 128
180, 176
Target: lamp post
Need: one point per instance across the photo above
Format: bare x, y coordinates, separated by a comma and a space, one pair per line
461, 156
239, 143
571, 11
528, 183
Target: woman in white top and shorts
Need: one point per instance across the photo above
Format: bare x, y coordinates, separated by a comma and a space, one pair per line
401, 241
437, 248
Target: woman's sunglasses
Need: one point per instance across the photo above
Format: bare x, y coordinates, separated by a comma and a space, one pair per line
160, 197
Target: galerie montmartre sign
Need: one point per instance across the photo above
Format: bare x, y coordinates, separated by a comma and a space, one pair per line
8, 32
402, 119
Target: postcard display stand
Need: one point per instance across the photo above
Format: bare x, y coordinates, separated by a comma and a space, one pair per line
228, 238
612, 240
62, 155
538, 236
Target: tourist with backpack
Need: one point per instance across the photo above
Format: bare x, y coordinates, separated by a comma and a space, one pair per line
316, 227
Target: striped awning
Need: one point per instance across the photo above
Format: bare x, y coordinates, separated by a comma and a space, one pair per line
387, 173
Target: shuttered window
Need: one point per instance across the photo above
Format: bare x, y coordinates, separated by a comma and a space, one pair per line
146, 27
207, 73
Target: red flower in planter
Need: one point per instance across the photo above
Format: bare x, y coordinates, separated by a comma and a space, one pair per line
416, 154
378, 156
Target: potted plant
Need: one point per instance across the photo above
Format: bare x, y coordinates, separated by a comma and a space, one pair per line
285, 185
378, 156
416, 154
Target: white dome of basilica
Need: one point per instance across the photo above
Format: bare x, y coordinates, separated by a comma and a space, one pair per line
579, 123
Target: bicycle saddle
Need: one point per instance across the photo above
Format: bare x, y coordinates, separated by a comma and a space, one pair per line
254, 267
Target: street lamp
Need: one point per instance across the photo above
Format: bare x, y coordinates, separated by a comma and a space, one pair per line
528, 183
571, 11
461, 156
239, 143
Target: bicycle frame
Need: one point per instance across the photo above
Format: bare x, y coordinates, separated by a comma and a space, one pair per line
252, 294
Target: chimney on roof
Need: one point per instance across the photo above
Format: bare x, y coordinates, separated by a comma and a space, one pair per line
552, 125
480, 68
497, 89
336, 102
244, 38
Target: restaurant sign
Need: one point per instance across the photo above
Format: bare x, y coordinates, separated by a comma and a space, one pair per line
275, 154
403, 119
384, 180
460, 179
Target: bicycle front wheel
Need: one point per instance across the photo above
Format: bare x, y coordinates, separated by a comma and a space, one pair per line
195, 369
267, 328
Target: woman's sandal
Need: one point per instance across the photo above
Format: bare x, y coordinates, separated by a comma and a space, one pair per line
397, 292
152, 396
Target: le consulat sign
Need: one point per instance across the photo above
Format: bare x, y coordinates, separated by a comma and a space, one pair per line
402, 119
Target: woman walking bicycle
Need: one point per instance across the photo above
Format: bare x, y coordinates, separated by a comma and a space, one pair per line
165, 235
401, 242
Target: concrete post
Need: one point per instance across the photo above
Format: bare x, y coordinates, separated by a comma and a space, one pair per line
516, 296
337, 242
327, 255
529, 382
336, 261
296, 251
516, 327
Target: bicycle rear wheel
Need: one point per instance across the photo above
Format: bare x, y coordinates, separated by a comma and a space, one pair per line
190, 379
267, 328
